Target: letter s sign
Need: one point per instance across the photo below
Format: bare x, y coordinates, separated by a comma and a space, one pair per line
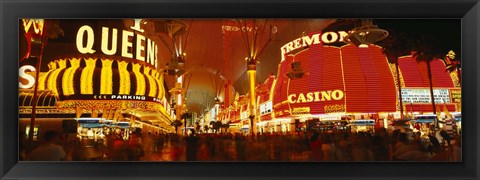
29, 78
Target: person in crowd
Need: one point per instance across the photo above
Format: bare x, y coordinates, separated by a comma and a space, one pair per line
203, 149
360, 152
240, 145
445, 137
135, 147
148, 145
415, 153
434, 144
344, 148
457, 149
380, 148
328, 148
316, 147
402, 145
210, 141
50, 150
192, 142
159, 143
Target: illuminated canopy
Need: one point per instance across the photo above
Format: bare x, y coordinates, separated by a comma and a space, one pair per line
46, 99
92, 78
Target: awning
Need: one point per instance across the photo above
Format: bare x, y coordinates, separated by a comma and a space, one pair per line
46, 99
362, 122
423, 120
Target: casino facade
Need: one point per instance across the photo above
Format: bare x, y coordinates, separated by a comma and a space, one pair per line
345, 83
106, 77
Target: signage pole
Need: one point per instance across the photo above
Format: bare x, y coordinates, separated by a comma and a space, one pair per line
35, 92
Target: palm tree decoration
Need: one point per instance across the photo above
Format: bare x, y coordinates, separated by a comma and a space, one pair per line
205, 128
184, 117
426, 50
225, 126
177, 123
217, 125
197, 126
212, 125
394, 46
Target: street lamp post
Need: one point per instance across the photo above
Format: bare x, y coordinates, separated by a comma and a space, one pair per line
251, 72
177, 94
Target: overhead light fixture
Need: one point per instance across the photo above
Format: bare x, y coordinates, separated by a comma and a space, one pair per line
366, 34
180, 72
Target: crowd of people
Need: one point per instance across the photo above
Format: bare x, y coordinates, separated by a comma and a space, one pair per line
301, 146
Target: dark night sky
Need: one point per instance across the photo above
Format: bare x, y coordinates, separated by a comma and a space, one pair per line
447, 31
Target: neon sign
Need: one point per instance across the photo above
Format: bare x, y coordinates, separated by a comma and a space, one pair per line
145, 49
29, 78
315, 96
36, 23
325, 38
456, 95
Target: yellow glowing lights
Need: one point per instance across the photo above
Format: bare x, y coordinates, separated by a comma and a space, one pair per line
140, 80
124, 78
153, 84
106, 77
86, 77
41, 82
52, 84
252, 78
159, 79
61, 78
67, 79
36, 23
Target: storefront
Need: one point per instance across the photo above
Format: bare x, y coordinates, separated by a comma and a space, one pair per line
415, 86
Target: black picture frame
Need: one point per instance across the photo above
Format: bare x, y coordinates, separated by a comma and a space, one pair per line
11, 11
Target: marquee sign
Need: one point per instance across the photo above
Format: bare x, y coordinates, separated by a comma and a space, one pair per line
423, 95
143, 48
266, 108
456, 95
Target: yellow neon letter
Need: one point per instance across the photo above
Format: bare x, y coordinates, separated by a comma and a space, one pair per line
90, 39
337, 94
126, 44
140, 47
105, 49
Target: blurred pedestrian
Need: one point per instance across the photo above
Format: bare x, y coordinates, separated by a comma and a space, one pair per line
316, 147
192, 142
50, 150
328, 148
